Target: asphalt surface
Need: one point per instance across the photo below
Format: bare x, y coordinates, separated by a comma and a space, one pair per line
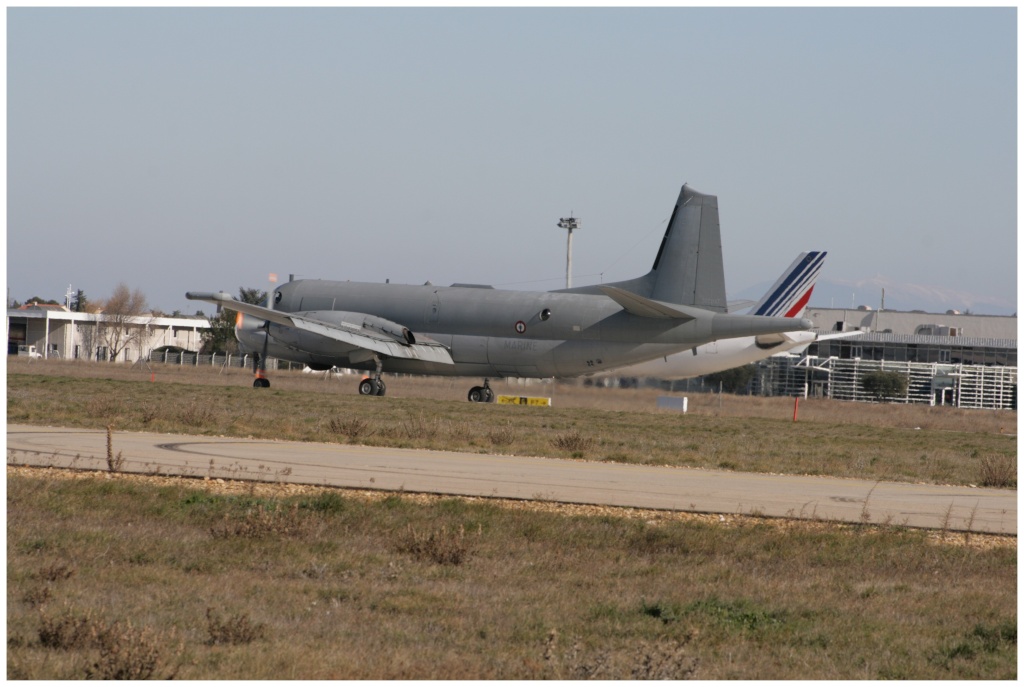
972, 509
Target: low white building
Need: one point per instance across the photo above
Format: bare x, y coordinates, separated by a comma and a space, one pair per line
54, 331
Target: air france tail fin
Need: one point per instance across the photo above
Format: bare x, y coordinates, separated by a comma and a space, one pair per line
789, 295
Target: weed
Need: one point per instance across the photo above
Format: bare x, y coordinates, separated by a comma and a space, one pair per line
237, 629
663, 611
981, 640
129, 654
351, 427
418, 427
114, 463
38, 595
662, 660
440, 546
69, 630
104, 407
259, 522
865, 516
573, 442
148, 413
195, 414
56, 572
324, 502
998, 471
741, 615
502, 436
665, 660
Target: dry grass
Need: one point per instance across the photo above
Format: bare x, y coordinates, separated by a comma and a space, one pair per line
535, 594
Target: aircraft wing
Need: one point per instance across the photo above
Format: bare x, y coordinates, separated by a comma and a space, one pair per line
351, 334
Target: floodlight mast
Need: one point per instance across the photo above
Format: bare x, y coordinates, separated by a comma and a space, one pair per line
569, 223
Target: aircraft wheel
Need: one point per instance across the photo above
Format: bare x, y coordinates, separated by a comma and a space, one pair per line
488, 395
367, 387
476, 394
261, 383
381, 388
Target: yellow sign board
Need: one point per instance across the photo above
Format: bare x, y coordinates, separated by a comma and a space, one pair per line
524, 400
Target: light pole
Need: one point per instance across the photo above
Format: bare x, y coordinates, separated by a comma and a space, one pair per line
569, 223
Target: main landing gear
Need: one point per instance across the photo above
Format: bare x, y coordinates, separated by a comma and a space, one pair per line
481, 394
373, 386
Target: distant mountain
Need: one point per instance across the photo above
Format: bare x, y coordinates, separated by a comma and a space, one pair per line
898, 296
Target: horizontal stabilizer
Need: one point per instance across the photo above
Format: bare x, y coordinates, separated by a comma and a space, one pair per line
353, 335
644, 307
804, 338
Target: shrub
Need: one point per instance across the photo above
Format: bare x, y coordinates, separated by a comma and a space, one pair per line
733, 381
440, 546
56, 572
999, 472
503, 436
573, 442
197, 415
127, 654
351, 427
261, 522
69, 631
882, 384
237, 629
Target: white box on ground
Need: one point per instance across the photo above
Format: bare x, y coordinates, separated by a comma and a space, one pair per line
672, 403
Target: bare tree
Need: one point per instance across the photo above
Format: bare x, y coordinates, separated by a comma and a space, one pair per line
123, 322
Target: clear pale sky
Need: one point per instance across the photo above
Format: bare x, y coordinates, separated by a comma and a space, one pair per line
195, 149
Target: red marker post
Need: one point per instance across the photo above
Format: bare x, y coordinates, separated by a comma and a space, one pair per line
796, 407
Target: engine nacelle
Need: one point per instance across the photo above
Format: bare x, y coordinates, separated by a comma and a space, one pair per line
358, 320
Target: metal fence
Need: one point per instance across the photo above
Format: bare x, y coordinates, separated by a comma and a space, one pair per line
962, 386
217, 360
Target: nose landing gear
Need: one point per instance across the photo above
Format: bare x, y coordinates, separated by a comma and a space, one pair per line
259, 363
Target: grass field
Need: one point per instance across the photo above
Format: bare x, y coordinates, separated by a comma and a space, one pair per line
750, 434
117, 576
159, 577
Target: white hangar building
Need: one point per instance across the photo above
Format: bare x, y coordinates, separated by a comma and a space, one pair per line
50, 331
964, 360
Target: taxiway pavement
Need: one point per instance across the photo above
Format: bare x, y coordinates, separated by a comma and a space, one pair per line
972, 509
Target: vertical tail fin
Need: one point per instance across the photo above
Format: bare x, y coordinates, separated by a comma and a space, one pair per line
688, 269
789, 295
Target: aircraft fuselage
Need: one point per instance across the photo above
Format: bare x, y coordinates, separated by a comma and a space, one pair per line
489, 332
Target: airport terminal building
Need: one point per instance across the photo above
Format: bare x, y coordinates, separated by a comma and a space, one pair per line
963, 360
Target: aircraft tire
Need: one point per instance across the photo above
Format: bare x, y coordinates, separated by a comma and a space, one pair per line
381, 388
488, 395
261, 383
367, 387
476, 394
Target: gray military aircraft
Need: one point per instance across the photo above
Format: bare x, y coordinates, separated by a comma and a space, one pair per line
479, 331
